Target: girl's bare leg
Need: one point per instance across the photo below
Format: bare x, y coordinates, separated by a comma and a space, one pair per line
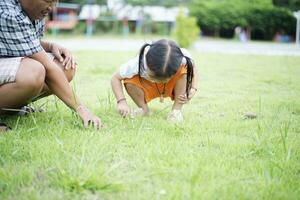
138, 96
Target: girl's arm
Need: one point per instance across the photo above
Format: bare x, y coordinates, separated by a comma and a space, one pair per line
59, 85
182, 98
195, 79
117, 88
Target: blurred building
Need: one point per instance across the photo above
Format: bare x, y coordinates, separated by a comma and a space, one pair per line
63, 17
91, 12
113, 17
135, 19
156, 13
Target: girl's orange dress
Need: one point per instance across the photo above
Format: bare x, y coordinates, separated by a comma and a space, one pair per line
153, 90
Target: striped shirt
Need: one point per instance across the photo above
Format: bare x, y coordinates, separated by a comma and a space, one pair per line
19, 36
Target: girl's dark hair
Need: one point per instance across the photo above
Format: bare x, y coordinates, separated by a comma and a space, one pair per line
164, 58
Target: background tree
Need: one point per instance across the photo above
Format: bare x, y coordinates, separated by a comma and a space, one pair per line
260, 17
290, 4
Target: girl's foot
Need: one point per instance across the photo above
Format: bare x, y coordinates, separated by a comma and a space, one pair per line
175, 116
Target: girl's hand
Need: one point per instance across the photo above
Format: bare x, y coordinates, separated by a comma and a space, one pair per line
63, 55
88, 118
183, 98
123, 108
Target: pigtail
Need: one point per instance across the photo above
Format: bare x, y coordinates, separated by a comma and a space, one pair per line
141, 59
190, 75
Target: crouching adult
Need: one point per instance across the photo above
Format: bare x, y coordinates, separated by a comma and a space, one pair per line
31, 68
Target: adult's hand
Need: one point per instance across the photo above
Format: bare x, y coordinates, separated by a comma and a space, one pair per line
88, 118
63, 55
59, 86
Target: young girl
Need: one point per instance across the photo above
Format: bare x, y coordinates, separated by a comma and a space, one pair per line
162, 69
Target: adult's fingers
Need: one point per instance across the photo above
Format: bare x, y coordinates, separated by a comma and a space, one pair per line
57, 55
66, 61
68, 64
97, 123
73, 63
100, 125
86, 123
66, 54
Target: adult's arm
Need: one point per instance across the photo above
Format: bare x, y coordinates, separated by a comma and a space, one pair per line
62, 54
59, 85
46, 46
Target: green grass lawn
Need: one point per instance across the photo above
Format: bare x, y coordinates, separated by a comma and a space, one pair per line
214, 154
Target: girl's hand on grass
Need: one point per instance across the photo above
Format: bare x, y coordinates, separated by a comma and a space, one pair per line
123, 109
183, 98
64, 56
89, 118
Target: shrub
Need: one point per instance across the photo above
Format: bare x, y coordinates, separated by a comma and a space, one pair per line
186, 30
219, 18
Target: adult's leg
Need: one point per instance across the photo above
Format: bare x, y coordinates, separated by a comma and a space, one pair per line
29, 83
138, 96
70, 73
179, 89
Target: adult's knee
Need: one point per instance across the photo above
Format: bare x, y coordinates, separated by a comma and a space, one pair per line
70, 73
31, 75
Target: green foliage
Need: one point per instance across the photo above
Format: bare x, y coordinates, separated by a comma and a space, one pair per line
268, 21
290, 4
186, 30
219, 16
167, 3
